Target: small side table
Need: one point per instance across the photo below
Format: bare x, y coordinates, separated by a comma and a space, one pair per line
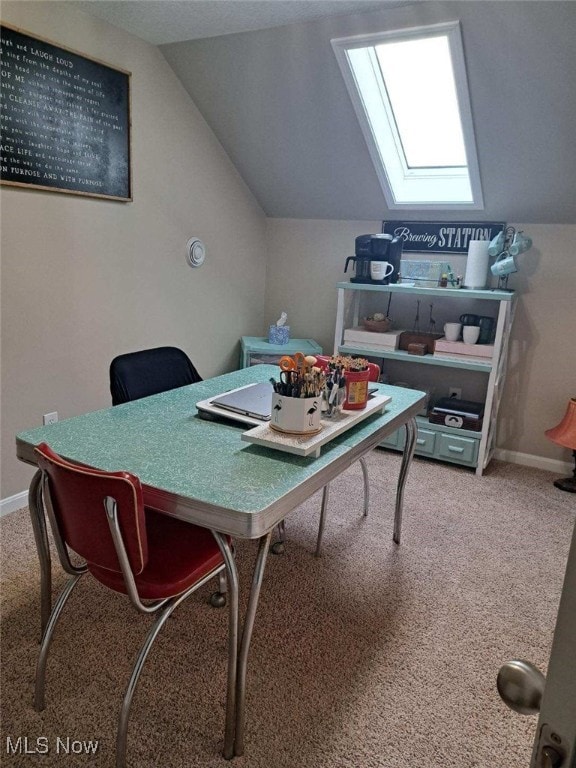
257, 349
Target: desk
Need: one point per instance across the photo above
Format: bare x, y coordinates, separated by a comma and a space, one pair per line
202, 472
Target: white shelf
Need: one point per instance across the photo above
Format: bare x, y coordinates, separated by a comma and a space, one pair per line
494, 369
452, 293
406, 357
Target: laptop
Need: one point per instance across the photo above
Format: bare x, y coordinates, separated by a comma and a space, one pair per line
254, 401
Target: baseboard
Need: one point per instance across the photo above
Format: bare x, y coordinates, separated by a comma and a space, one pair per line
12, 503
538, 462
562, 468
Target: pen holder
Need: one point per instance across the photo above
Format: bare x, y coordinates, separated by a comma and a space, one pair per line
356, 390
279, 334
295, 415
332, 402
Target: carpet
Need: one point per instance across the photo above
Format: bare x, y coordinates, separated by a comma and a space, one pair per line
373, 656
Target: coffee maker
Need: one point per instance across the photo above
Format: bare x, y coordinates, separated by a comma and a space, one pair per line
375, 248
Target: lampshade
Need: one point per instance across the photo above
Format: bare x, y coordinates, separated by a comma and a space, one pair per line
565, 433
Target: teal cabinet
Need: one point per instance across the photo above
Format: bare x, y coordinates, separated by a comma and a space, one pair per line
462, 450
440, 442
425, 441
257, 349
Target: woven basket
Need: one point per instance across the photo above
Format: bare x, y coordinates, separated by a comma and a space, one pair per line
380, 326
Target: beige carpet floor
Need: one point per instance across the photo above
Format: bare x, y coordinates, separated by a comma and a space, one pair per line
372, 656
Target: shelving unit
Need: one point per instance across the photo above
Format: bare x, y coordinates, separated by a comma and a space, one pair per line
459, 446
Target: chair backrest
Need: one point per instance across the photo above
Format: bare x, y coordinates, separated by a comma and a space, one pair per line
373, 368
148, 372
76, 497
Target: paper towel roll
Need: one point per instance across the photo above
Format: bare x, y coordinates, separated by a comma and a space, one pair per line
477, 264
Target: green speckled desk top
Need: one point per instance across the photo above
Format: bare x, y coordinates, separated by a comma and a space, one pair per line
200, 469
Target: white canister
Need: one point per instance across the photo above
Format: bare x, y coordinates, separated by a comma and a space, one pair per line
296, 415
477, 264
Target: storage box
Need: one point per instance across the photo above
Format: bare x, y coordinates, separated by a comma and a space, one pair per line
461, 348
415, 337
455, 421
361, 336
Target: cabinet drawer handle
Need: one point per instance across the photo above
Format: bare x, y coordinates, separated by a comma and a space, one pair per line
420, 441
455, 449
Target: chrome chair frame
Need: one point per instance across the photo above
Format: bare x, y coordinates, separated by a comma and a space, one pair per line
162, 608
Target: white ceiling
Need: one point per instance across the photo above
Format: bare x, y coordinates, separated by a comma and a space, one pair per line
277, 103
172, 21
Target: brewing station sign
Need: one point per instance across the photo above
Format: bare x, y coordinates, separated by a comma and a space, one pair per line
441, 236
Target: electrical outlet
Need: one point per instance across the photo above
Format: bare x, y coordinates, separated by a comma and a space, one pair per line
455, 392
50, 418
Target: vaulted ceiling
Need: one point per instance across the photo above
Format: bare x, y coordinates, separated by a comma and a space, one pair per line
276, 100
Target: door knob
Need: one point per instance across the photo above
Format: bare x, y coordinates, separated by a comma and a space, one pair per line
521, 685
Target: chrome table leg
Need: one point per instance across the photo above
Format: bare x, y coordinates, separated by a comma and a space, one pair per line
409, 446
232, 585
38, 519
366, 481
323, 508
257, 577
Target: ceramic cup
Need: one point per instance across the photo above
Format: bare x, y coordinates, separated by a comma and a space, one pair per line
452, 331
470, 334
380, 270
504, 267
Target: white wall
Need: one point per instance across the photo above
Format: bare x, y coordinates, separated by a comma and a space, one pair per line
306, 259
86, 279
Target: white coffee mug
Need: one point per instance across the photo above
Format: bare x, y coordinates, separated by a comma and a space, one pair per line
470, 334
380, 270
452, 331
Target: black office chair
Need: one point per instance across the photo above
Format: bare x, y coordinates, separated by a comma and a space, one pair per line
148, 372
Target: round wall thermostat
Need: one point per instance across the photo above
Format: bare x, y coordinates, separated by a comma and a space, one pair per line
195, 252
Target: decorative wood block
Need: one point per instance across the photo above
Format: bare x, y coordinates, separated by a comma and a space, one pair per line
417, 349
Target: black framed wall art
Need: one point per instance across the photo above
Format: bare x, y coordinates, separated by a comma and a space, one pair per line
65, 123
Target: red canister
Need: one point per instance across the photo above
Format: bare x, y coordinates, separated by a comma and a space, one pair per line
356, 390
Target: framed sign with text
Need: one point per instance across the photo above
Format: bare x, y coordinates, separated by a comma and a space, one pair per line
441, 236
65, 120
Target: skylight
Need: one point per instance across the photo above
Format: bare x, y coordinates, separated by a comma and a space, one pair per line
409, 90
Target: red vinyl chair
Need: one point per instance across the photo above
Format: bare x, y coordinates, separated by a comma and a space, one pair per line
374, 374
146, 372
129, 548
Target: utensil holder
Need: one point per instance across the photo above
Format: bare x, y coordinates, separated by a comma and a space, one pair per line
295, 415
